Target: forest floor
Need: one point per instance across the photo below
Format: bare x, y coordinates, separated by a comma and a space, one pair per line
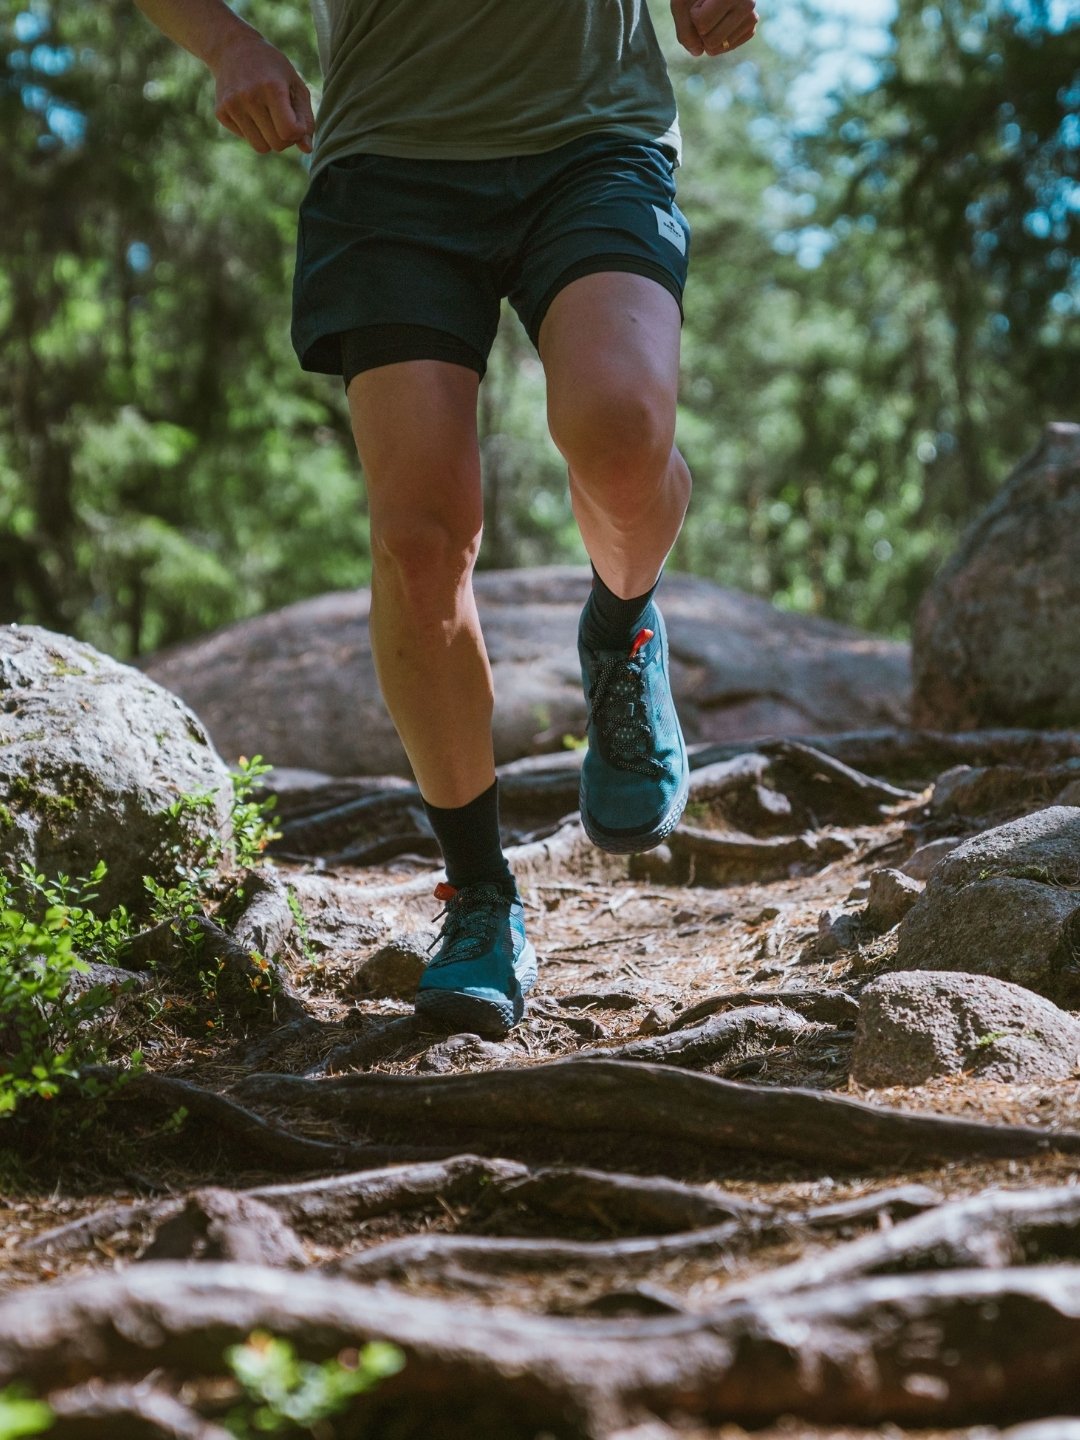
666, 1222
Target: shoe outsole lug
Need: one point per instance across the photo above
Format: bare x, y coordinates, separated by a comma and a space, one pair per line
454, 1012
635, 844
451, 1013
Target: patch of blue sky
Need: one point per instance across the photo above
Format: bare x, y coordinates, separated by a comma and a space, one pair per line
29, 26
847, 41
139, 257
66, 123
52, 59
35, 97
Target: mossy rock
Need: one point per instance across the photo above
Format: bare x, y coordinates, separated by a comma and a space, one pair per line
92, 757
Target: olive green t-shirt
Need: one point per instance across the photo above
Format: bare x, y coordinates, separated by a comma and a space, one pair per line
479, 79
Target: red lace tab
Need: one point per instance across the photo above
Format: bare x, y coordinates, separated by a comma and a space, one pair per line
445, 891
641, 638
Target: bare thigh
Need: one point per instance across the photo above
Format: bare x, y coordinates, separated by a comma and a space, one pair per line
414, 425
610, 349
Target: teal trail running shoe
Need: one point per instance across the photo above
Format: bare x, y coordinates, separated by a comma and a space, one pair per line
478, 978
635, 777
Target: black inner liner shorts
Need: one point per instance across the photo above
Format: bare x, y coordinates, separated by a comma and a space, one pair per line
404, 259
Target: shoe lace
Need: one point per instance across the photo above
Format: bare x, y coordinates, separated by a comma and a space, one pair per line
621, 714
471, 918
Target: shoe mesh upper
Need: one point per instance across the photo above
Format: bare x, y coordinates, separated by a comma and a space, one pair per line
619, 705
471, 922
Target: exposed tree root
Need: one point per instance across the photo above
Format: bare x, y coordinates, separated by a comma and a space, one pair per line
501, 1191
381, 821
762, 785
833, 791
256, 1137
265, 922
957, 1348
828, 1007
622, 1204
127, 1412
739, 1032
246, 981
907, 754
469, 1262
705, 857
612, 1097
248, 977
397, 1035
994, 1230
216, 1224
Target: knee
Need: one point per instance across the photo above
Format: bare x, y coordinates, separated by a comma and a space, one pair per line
615, 435
426, 556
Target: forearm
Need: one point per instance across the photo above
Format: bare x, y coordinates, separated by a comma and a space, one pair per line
205, 27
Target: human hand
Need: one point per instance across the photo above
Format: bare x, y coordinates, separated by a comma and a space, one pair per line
261, 97
713, 27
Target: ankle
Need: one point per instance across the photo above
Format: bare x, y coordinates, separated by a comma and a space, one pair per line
609, 620
470, 841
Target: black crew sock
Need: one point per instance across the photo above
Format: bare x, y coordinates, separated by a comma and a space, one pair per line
468, 837
612, 623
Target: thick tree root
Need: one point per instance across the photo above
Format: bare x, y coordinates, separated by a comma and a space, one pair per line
127, 1412
994, 1230
833, 791
502, 1192
828, 1007
957, 1348
907, 755
813, 780
244, 958
705, 857
256, 1138
737, 1034
467, 1261
614, 1097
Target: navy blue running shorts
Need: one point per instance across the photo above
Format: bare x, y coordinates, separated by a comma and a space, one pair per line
403, 259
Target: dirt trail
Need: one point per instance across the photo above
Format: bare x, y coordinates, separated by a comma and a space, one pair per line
659, 1206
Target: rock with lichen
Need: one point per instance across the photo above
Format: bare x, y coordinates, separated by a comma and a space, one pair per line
98, 763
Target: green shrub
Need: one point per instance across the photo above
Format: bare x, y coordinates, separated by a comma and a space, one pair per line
20, 1417
286, 1396
48, 1033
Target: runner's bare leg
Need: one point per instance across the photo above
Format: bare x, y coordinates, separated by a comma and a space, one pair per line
610, 349
415, 429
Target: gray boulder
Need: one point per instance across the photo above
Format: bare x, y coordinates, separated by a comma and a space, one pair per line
1002, 791
298, 685
838, 929
92, 754
1005, 903
921, 863
891, 896
461, 1051
913, 1028
997, 634
393, 971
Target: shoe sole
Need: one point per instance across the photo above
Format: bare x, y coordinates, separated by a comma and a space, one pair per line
455, 1012
642, 840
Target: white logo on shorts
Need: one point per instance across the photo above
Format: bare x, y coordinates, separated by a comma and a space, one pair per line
670, 229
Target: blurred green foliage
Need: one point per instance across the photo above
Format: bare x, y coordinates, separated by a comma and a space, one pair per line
881, 316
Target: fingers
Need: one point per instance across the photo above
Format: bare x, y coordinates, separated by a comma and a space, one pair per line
685, 29
270, 111
240, 122
739, 38
285, 126
723, 25
305, 116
